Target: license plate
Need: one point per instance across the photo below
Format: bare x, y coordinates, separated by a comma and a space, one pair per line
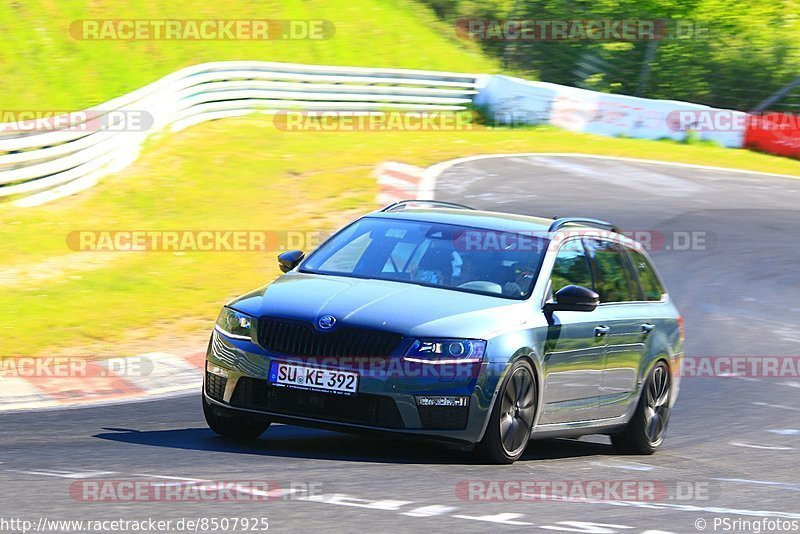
313, 378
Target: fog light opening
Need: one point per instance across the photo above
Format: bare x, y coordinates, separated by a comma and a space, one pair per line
216, 370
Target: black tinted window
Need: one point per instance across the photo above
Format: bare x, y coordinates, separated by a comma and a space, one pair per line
571, 267
648, 280
611, 271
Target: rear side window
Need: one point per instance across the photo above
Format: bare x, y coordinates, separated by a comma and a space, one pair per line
648, 279
612, 278
571, 267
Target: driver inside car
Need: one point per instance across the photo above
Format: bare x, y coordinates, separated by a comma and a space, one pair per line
521, 282
435, 267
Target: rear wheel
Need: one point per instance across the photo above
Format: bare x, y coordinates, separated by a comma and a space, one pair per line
233, 426
645, 432
511, 420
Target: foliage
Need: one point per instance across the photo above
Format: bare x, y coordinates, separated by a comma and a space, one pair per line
726, 55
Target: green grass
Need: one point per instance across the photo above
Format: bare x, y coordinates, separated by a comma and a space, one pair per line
43, 68
248, 176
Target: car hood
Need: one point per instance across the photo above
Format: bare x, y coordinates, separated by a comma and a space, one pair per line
399, 307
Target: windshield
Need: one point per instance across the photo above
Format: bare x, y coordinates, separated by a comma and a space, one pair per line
454, 257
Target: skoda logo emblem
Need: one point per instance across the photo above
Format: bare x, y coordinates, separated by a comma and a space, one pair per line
326, 322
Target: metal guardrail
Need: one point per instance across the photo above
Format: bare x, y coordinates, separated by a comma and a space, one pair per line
49, 164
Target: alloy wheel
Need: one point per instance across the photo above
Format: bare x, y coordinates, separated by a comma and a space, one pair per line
656, 410
517, 411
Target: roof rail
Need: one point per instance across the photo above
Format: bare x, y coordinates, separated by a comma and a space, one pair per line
437, 203
561, 222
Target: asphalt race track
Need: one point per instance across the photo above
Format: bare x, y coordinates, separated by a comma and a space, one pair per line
731, 450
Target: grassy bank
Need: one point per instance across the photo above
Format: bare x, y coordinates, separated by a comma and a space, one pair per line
43, 67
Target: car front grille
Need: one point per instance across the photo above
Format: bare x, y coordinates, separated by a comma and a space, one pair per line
301, 339
215, 386
364, 409
443, 417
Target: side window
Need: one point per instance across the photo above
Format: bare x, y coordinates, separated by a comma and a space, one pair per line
611, 271
571, 267
648, 280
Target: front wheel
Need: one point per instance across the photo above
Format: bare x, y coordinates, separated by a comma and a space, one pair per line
645, 431
234, 426
511, 420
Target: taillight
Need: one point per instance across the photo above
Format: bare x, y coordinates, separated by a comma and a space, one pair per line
680, 327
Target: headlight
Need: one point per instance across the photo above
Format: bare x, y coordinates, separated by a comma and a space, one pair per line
234, 324
446, 351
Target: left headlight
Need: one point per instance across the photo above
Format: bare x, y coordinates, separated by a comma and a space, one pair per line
234, 324
446, 351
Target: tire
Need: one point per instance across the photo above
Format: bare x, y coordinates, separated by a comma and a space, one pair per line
645, 432
234, 426
512, 417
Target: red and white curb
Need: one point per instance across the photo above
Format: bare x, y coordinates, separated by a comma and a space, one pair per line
397, 181
58, 382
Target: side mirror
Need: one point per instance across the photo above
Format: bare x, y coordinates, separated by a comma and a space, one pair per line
573, 298
290, 259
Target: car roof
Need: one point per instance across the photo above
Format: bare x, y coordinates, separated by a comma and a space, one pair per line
494, 221
487, 220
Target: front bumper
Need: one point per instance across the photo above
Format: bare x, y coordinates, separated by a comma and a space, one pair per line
386, 402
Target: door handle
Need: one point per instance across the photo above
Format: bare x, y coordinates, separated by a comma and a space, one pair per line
648, 327
601, 330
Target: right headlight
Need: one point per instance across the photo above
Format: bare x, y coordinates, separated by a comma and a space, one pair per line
234, 324
441, 351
